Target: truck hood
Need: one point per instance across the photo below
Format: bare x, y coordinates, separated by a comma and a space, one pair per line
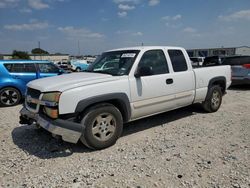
69, 81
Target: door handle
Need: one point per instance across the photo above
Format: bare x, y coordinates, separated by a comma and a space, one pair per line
169, 81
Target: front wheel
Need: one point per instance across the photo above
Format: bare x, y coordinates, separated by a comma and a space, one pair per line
9, 96
213, 99
103, 125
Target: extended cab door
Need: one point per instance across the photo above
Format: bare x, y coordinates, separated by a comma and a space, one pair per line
168, 84
154, 90
183, 77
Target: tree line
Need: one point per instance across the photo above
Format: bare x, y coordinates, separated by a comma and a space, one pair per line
25, 55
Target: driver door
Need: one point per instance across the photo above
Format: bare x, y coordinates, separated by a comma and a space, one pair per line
152, 93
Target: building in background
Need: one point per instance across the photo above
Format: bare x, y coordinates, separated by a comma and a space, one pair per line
242, 50
50, 57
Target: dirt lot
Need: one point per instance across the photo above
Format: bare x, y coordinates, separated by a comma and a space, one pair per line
182, 148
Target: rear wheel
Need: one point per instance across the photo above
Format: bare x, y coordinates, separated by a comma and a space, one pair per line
78, 69
9, 96
102, 126
213, 100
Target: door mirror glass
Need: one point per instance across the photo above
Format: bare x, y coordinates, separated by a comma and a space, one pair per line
144, 71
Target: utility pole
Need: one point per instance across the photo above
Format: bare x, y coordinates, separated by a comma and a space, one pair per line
78, 48
39, 48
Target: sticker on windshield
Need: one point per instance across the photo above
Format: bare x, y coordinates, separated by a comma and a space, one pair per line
131, 55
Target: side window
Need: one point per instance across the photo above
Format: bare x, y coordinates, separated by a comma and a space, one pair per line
178, 60
21, 67
47, 68
29, 67
156, 60
8, 66
17, 68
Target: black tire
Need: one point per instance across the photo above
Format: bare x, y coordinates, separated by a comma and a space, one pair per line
102, 133
9, 96
78, 69
213, 99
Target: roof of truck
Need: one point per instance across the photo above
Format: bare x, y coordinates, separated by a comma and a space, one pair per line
146, 48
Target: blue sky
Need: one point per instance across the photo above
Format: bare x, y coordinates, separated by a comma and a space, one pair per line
101, 25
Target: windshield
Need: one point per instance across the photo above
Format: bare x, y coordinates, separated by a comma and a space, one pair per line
116, 63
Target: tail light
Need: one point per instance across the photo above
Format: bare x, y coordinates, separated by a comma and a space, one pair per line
247, 66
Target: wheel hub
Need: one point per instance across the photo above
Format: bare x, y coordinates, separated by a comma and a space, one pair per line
104, 126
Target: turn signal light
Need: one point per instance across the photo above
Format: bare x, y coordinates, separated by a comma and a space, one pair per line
51, 112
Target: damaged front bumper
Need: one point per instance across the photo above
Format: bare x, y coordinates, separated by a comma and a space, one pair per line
69, 131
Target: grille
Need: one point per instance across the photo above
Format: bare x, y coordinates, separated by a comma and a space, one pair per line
33, 93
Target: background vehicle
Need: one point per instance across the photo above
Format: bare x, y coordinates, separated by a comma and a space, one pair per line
92, 106
64, 65
15, 74
79, 65
240, 66
197, 61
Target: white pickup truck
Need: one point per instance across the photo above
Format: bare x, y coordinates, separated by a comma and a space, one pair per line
122, 85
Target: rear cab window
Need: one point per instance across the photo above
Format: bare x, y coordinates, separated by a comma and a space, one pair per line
178, 60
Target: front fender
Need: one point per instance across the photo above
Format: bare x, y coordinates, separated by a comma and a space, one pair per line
120, 100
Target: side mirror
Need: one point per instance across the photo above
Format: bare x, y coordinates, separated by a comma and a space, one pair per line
143, 71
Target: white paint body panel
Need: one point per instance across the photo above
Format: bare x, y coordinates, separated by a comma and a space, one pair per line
147, 95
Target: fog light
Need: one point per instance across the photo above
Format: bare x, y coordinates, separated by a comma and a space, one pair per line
51, 112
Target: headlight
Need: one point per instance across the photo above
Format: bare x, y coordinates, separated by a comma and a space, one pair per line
50, 107
51, 97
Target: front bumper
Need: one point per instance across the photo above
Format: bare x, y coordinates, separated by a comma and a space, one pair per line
68, 130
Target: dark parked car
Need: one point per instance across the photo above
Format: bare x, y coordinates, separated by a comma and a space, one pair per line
15, 74
240, 66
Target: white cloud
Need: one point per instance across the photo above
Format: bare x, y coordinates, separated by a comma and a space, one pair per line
2, 5
172, 18
8, 3
33, 25
122, 32
240, 15
79, 32
37, 4
153, 2
122, 14
126, 7
189, 30
137, 33
177, 17
25, 10
127, 1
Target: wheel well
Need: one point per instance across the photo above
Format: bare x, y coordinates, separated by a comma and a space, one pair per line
119, 100
14, 88
221, 84
116, 102
219, 81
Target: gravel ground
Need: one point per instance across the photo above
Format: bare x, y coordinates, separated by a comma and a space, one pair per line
181, 148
